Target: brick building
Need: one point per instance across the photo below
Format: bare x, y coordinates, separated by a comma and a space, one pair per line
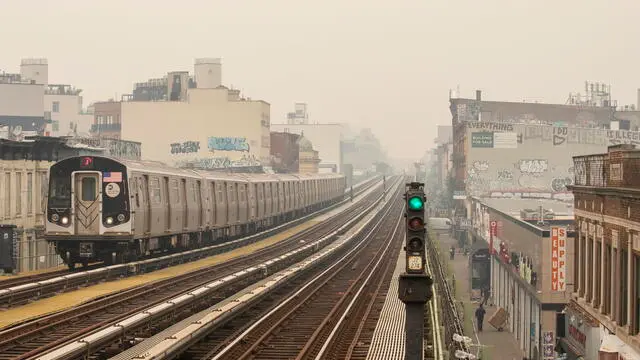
607, 257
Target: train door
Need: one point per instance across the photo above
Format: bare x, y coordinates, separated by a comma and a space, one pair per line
185, 209
167, 203
198, 195
212, 204
147, 204
223, 214
87, 207
252, 200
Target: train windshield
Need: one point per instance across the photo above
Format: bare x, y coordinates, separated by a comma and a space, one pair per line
59, 191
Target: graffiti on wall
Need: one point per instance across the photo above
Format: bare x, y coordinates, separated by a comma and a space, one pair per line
525, 175
124, 149
186, 147
227, 144
560, 184
559, 135
481, 165
533, 166
221, 162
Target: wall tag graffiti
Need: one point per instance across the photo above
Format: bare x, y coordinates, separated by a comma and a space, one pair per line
533, 166
227, 144
185, 148
505, 175
560, 184
559, 135
481, 165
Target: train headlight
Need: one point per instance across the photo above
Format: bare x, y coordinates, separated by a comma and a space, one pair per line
55, 217
65, 220
109, 220
120, 217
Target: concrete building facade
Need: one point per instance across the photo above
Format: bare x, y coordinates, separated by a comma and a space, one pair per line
529, 262
505, 158
607, 259
201, 124
67, 114
21, 108
285, 152
29, 105
325, 139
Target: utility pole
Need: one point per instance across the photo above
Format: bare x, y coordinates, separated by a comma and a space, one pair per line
414, 288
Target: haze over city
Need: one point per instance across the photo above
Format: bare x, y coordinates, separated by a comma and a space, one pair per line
379, 64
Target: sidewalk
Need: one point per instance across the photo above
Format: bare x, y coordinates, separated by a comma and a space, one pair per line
496, 345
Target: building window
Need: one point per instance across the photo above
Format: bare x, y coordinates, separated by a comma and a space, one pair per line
18, 194
55, 107
55, 125
99, 119
29, 193
109, 119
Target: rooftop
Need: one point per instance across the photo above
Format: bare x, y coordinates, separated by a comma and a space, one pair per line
562, 211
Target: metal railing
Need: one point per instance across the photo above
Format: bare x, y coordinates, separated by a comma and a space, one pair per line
450, 318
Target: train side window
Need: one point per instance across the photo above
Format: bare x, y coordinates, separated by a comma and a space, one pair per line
243, 193
220, 196
155, 191
88, 189
175, 194
230, 199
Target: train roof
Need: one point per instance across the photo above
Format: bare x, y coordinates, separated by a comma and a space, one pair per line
164, 169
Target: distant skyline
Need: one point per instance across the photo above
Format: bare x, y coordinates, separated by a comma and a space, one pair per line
379, 64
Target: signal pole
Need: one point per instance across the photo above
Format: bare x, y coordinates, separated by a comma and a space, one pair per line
414, 288
384, 187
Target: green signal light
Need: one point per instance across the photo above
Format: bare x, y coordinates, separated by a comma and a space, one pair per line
416, 203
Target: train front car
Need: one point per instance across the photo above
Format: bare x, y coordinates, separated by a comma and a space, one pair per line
88, 210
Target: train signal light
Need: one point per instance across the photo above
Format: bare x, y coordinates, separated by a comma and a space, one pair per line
414, 286
416, 203
416, 232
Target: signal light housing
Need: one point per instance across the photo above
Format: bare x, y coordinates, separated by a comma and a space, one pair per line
415, 228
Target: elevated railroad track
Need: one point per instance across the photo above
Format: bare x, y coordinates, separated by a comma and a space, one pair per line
23, 289
157, 305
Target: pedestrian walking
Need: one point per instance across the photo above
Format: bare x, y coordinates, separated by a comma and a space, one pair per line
480, 311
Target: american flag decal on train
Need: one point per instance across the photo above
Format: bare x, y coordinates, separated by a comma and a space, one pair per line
112, 177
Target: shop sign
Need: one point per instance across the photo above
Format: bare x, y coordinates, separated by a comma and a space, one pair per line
558, 258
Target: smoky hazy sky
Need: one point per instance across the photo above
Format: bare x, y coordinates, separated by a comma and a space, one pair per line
387, 65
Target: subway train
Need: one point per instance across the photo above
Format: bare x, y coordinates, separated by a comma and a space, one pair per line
105, 209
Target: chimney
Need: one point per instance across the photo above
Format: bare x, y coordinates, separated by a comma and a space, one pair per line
479, 95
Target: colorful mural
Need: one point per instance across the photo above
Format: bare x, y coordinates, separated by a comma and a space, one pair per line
227, 144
